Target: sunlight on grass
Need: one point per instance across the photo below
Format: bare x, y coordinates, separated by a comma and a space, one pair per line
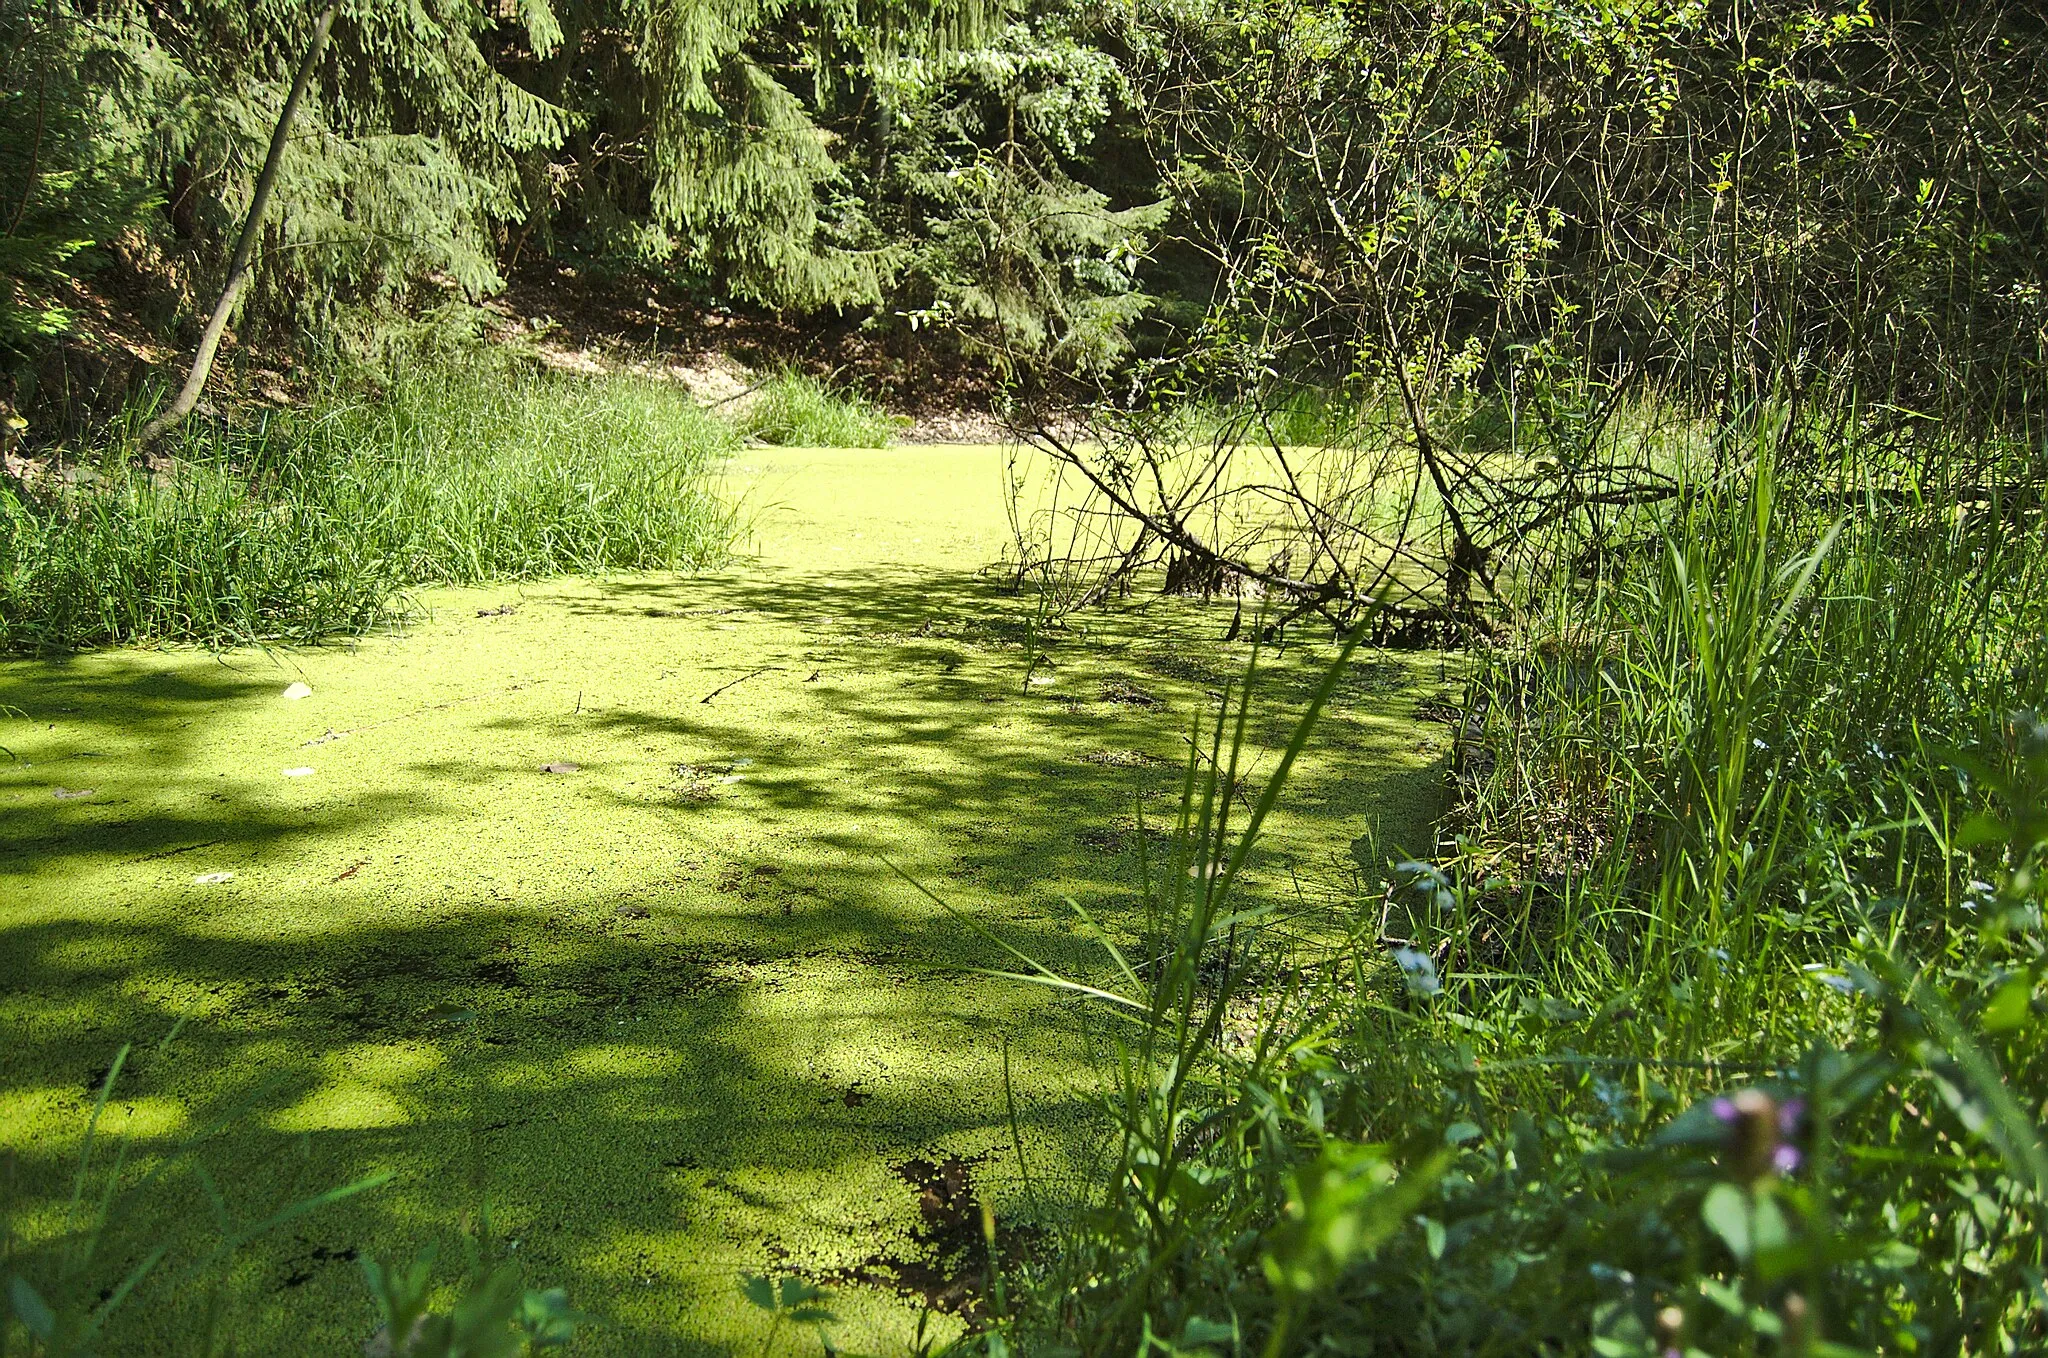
302, 524
796, 411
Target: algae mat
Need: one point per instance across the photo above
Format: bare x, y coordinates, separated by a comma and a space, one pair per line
666, 1013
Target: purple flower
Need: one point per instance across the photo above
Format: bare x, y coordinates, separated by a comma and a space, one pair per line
1760, 1134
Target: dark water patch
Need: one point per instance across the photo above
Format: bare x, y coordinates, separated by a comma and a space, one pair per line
1123, 693
301, 1269
948, 1265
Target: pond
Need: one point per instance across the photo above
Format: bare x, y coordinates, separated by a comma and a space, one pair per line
592, 910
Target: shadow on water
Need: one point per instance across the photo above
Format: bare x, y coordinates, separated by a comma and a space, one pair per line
597, 1093
772, 1058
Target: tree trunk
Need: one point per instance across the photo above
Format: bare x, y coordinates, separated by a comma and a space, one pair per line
245, 246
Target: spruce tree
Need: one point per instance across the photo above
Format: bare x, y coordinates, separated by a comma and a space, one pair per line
701, 143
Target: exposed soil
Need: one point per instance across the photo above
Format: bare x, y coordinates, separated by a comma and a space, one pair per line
590, 323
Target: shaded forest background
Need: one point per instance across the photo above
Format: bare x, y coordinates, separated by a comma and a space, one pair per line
1723, 198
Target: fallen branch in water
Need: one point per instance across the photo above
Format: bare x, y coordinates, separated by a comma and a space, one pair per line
737, 682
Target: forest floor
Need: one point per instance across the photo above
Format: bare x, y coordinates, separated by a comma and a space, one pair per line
667, 1013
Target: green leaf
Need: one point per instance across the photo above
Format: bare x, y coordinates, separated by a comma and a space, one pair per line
547, 1318
1768, 1228
1697, 1127
758, 1290
1340, 1208
1618, 1332
1728, 1298
1202, 1330
1982, 828
1433, 1235
31, 1309
2009, 1007
1726, 1212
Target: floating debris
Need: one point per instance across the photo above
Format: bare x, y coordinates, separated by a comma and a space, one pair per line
1126, 694
212, 878
297, 691
1124, 759
698, 783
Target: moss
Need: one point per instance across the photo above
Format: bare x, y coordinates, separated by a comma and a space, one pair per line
671, 1015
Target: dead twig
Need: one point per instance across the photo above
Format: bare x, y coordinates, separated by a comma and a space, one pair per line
751, 674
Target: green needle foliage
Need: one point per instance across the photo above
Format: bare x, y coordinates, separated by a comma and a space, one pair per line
74, 143
928, 161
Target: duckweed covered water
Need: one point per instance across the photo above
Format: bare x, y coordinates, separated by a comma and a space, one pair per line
575, 908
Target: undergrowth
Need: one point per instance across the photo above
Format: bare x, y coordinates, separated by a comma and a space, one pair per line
305, 523
1717, 1031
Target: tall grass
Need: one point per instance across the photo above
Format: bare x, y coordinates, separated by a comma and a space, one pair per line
1292, 417
307, 523
796, 411
1717, 1032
